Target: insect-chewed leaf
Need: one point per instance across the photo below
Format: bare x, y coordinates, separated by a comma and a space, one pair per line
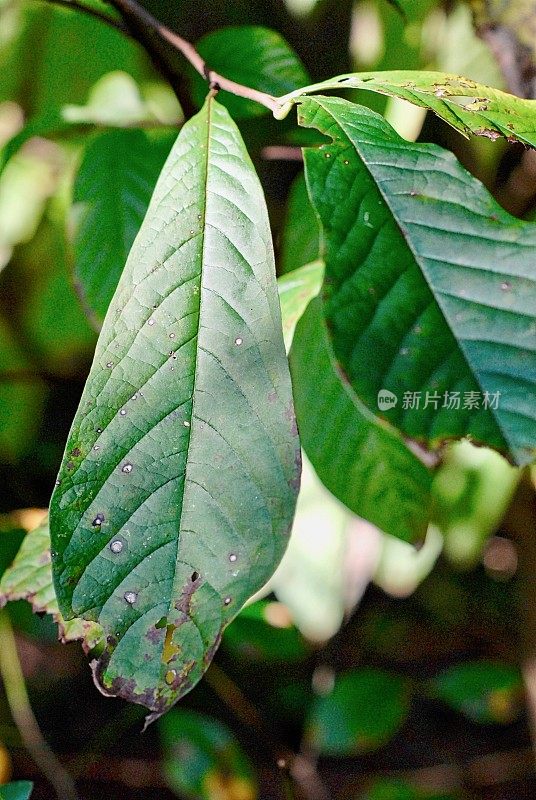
468, 106
178, 485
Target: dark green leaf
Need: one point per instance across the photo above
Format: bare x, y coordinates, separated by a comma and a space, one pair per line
202, 760
21, 401
18, 790
400, 790
358, 457
300, 240
180, 476
485, 691
429, 283
364, 710
111, 193
254, 56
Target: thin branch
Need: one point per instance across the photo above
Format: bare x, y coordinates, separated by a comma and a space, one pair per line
23, 716
216, 81
75, 5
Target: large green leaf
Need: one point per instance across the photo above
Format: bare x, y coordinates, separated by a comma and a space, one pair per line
111, 194
178, 485
430, 285
358, 457
468, 106
255, 56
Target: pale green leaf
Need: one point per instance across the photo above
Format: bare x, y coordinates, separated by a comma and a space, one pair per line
179, 480
296, 290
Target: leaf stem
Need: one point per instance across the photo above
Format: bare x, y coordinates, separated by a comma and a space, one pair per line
216, 81
23, 716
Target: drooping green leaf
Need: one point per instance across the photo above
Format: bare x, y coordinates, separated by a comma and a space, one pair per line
357, 456
111, 193
296, 290
300, 238
18, 790
465, 104
179, 480
30, 578
429, 293
364, 710
485, 691
202, 759
254, 56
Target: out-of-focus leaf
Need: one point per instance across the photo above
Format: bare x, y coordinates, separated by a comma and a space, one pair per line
202, 760
18, 790
21, 399
473, 489
484, 691
360, 459
111, 194
254, 56
30, 578
364, 710
466, 105
180, 475
392, 233
300, 239
264, 631
402, 568
5, 765
296, 290
27, 182
116, 100
51, 316
58, 71
310, 580
385, 789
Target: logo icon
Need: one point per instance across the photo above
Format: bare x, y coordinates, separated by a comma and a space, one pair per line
386, 400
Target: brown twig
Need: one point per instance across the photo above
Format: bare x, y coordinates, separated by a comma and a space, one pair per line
216, 81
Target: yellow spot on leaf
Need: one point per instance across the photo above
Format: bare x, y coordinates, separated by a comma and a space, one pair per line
228, 787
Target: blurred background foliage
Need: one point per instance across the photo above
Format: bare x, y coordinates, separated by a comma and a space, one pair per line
366, 669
